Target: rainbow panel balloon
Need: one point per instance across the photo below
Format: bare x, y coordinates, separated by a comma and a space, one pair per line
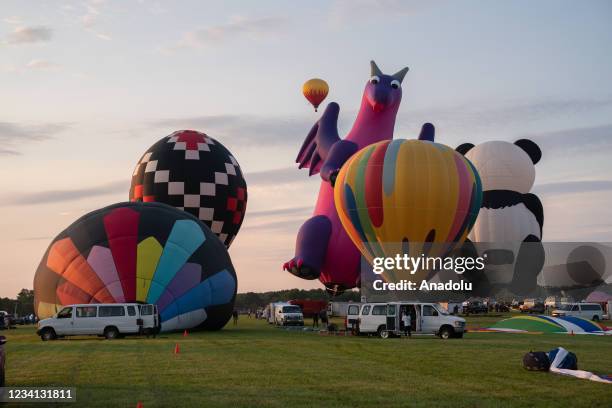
407, 192
140, 252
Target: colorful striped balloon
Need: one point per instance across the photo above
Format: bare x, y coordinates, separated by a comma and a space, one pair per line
409, 193
140, 252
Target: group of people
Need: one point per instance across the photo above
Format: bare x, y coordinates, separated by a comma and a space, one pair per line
322, 316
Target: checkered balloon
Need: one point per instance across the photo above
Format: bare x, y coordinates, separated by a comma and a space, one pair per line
195, 173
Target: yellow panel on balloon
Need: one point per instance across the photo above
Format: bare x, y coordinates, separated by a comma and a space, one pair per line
149, 252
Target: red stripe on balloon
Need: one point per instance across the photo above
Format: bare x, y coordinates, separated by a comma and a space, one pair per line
373, 184
121, 227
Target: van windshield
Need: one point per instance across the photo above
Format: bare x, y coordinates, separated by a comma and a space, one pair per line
442, 310
291, 309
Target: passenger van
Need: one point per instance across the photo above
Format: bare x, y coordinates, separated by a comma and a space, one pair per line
110, 320
384, 319
286, 314
589, 311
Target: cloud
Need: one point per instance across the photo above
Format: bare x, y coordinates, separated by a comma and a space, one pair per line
13, 20
238, 27
39, 64
29, 35
246, 130
570, 141
284, 175
480, 118
280, 212
58, 196
577, 186
350, 11
12, 135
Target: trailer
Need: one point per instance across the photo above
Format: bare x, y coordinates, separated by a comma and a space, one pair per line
339, 309
310, 307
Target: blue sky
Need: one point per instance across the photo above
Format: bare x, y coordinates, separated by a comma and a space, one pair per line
88, 86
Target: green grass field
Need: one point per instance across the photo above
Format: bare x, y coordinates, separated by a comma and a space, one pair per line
255, 364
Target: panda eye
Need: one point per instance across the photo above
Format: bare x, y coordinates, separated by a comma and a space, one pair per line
374, 80
395, 84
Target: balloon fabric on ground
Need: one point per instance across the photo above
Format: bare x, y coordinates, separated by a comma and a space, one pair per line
140, 252
408, 192
195, 173
548, 324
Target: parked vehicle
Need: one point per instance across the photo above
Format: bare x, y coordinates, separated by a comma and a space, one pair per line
339, 309
109, 320
384, 319
538, 308
2, 360
310, 307
590, 311
286, 314
528, 304
351, 321
475, 307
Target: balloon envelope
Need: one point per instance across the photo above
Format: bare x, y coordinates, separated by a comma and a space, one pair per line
315, 90
407, 192
195, 173
140, 252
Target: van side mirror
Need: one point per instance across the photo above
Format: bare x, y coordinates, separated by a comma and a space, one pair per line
2, 340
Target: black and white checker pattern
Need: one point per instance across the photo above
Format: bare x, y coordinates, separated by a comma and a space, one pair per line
200, 185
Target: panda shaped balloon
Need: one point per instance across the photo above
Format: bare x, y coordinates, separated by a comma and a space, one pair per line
511, 218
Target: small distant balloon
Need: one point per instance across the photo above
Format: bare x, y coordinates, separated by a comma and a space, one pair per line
315, 90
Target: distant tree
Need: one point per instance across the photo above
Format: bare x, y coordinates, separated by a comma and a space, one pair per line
251, 300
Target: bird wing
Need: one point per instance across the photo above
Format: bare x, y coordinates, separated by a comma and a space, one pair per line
320, 139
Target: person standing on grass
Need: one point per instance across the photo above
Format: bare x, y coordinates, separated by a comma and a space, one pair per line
235, 317
407, 323
315, 320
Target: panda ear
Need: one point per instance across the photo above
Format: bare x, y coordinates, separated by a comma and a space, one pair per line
464, 148
531, 148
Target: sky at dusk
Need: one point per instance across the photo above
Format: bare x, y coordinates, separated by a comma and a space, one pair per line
86, 87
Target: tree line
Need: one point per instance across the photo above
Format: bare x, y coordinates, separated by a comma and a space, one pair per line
22, 305
253, 300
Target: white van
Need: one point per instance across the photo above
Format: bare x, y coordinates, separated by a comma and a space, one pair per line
109, 320
589, 311
286, 314
384, 319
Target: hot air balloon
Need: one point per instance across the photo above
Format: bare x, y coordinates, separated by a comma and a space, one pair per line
195, 173
407, 195
140, 252
315, 90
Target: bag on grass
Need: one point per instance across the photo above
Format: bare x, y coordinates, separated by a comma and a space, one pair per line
536, 361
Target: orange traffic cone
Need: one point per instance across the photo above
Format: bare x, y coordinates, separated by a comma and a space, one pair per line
177, 350
139, 405
185, 333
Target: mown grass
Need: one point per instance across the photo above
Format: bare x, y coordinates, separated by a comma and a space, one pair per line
255, 364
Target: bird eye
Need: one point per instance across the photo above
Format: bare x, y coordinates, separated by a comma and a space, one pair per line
395, 84
374, 80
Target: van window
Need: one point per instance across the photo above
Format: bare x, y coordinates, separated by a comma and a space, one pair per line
590, 307
146, 310
131, 311
365, 310
292, 309
112, 311
575, 308
353, 310
428, 310
65, 313
379, 310
86, 311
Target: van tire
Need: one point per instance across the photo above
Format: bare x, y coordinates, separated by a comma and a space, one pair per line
382, 332
48, 334
595, 318
111, 333
446, 332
